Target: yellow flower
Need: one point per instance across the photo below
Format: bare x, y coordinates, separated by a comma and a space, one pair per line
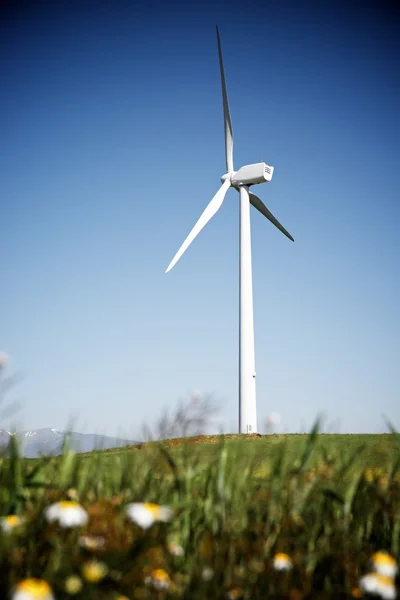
146, 514
94, 570
384, 564
68, 513
282, 562
382, 586
8, 523
73, 584
159, 579
32, 589
369, 475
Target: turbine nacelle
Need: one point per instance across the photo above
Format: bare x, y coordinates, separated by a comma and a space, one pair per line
249, 175
252, 174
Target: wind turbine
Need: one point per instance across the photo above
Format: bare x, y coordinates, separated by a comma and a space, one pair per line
240, 180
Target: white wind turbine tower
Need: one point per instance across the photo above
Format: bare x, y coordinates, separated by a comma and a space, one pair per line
240, 180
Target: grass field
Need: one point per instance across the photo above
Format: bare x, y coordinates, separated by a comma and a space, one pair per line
275, 516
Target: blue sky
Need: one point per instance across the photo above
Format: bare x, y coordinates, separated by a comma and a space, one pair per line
111, 147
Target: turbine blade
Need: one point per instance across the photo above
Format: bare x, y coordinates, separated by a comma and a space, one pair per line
227, 114
259, 205
208, 213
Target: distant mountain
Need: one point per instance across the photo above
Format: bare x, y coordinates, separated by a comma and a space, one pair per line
49, 442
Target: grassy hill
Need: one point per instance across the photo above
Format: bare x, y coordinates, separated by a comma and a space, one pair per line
275, 516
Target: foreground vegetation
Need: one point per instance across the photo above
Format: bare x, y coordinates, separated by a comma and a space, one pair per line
295, 517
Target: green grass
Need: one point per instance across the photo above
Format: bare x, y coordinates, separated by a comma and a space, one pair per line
328, 501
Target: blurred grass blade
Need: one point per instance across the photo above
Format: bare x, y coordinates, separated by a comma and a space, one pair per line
309, 447
329, 493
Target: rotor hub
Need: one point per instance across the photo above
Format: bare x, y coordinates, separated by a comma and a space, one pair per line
228, 176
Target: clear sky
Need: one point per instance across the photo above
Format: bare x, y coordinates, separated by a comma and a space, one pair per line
111, 147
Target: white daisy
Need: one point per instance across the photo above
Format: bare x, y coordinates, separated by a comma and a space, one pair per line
159, 579
382, 586
68, 513
384, 564
282, 562
8, 523
146, 514
32, 589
